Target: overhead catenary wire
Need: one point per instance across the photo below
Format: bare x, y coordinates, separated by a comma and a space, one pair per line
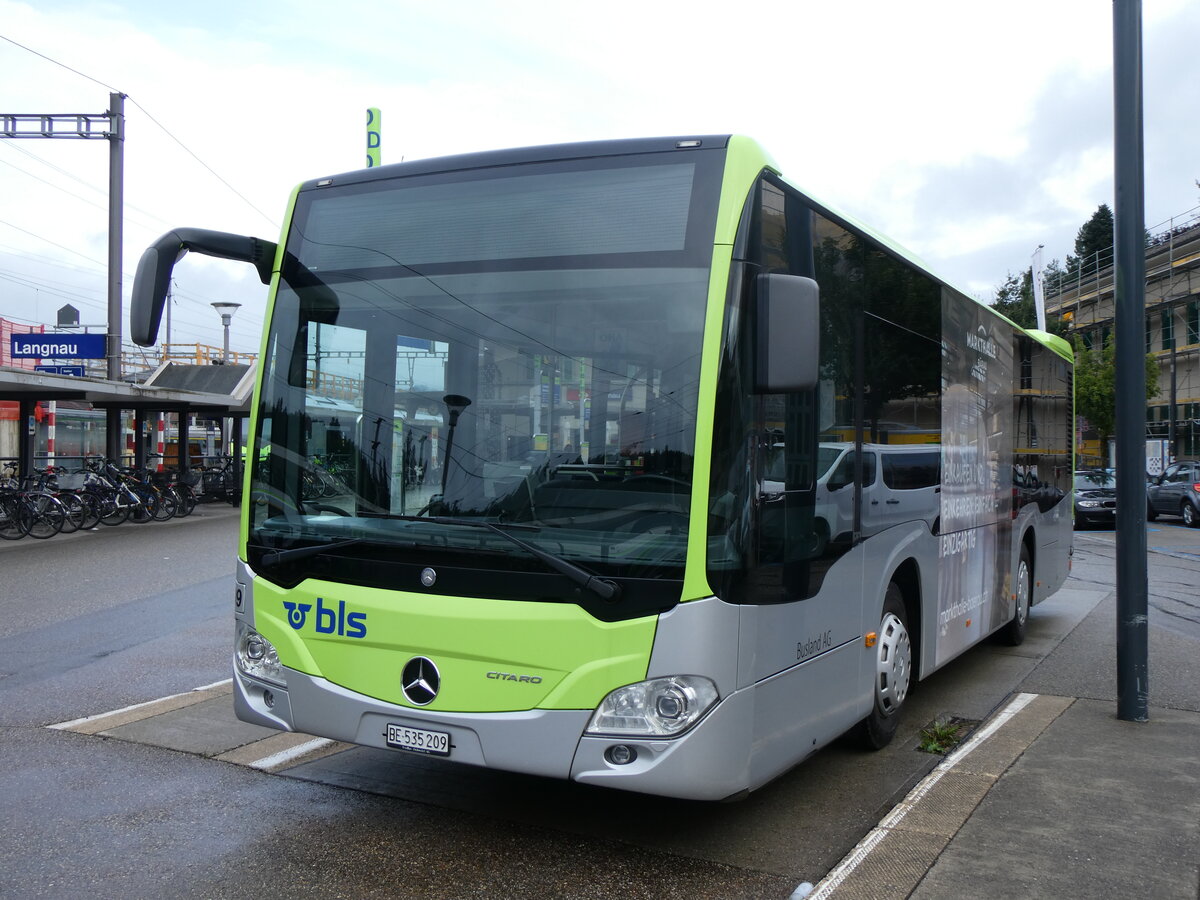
272, 222
8, 145
101, 267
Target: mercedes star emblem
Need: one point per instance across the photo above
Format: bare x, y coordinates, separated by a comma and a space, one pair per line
420, 680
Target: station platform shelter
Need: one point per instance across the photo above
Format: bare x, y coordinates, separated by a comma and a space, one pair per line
162, 407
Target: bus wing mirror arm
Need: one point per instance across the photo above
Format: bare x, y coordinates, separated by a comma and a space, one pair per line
154, 271
788, 333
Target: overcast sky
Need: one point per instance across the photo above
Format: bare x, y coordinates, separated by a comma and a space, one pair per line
968, 132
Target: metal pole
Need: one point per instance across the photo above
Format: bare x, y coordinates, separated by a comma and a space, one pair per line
185, 460
225, 310
116, 200
226, 422
1132, 631
1171, 430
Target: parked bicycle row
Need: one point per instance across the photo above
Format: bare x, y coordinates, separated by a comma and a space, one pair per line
56, 500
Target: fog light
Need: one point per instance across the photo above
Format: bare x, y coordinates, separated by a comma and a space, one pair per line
620, 754
269, 699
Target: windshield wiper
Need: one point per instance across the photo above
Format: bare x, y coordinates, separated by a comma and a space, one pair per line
277, 557
601, 587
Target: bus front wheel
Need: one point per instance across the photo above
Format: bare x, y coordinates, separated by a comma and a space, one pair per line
893, 673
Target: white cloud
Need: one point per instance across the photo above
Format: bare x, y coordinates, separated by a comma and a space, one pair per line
969, 133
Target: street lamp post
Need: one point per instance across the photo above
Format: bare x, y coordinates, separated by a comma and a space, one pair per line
226, 311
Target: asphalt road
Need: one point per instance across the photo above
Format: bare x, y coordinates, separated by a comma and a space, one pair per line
98, 621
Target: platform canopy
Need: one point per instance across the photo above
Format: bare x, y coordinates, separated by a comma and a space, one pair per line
215, 390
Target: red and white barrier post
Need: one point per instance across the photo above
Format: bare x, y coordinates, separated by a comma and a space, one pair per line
51, 409
161, 444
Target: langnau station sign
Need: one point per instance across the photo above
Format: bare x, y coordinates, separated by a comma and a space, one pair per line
59, 346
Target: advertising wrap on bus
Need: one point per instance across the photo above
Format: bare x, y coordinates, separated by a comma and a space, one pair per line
541, 482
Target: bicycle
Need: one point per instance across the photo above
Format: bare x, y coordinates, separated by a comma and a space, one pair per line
178, 488
120, 502
70, 487
29, 512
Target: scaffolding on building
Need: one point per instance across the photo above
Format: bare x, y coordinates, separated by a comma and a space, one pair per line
1082, 299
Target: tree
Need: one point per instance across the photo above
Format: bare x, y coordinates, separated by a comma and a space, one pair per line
1096, 386
1053, 274
1014, 299
1093, 243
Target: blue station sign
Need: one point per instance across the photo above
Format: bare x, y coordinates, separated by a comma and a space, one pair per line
76, 371
59, 346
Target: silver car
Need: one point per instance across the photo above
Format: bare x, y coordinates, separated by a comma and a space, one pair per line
1176, 492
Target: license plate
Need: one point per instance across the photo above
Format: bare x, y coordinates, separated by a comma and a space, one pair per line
418, 740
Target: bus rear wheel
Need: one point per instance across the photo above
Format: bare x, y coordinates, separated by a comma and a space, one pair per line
893, 673
1014, 632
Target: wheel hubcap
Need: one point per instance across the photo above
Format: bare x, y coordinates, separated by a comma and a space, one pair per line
1022, 592
893, 669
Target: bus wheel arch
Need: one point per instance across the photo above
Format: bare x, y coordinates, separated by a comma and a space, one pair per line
907, 578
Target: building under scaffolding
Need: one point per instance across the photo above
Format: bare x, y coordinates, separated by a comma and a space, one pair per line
1084, 299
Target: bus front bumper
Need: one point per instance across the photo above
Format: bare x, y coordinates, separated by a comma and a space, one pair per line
709, 762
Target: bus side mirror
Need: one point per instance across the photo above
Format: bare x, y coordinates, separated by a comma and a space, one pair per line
154, 271
788, 333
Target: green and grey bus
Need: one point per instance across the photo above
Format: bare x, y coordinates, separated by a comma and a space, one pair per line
574, 461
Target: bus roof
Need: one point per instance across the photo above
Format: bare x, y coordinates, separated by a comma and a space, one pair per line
518, 155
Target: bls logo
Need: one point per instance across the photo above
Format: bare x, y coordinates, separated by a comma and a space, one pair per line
296, 613
330, 620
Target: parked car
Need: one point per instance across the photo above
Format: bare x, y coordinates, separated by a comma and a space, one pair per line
1176, 492
1095, 498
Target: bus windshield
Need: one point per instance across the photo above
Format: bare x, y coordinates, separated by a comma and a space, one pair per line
519, 346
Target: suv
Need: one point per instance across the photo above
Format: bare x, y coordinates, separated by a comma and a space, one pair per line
1176, 492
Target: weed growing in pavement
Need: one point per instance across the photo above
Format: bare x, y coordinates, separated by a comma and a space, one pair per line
943, 735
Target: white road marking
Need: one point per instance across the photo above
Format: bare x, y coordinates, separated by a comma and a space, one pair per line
66, 726
285, 756
856, 856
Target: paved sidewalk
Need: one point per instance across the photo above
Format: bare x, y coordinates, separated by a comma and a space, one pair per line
1095, 807
1054, 796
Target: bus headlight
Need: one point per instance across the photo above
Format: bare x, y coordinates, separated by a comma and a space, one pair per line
660, 707
256, 656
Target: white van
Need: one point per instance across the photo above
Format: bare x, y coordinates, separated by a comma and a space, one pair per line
901, 483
